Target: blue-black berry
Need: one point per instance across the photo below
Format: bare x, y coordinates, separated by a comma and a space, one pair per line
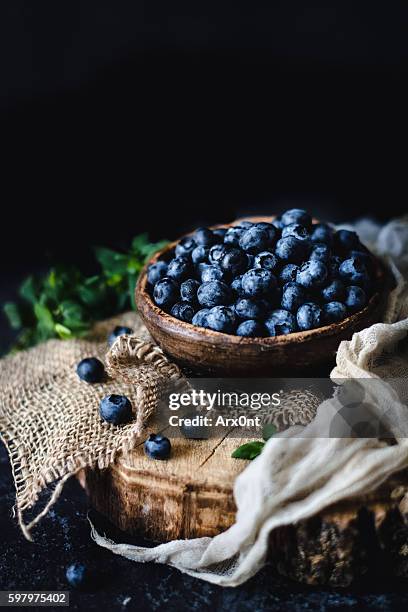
157, 447
296, 215
298, 231
309, 316
183, 311
312, 275
77, 575
91, 370
280, 322
200, 317
246, 308
266, 260
355, 298
251, 329
214, 293
354, 272
179, 268
258, 283
115, 409
156, 272
234, 262
291, 249
166, 292
333, 312
293, 296
222, 319
185, 247
200, 255
254, 240
335, 291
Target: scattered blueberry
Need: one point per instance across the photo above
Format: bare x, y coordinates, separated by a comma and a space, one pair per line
335, 291
291, 250
320, 252
166, 292
214, 293
288, 274
156, 272
355, 299
200, 317
321, 233
251, 329
188, 290
296, 215
222, 319
266, 260
293, 296
115, 409
179, 268
91, 370
77, 575
309, 316
280, 322
258, 283
254, 240
119, 330
183, 311
234, 262
204, 236
200, 254
157, 447
312, 275
246, 308
333, 312
185, 247
298, 231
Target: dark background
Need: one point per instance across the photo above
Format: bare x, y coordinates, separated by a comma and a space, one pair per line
121, 117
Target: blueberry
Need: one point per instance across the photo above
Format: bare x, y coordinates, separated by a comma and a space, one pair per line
278, 225
365, 258
258, 283
188, 290
288, 273
233, 235
115, 409
291, 250
166, 292
280, 322
200, 317
179, 268
333, 265
293, 296
320, 252
234, 262
251, 329
355, 299
266, 260
200, 254
250, 261
77, 575
333, 312
254, 240
211, 273
183, 311
236, 285
312, 275
222, 319
156, 272
251, 309
354, 272
309, 316
157, 447
335, 291
185, 247
271, 229
296, 215
216, 253
298, 231
246, 224
204, 236
322, 233
119, 330
91, 370
345, 241
219, 233
214, 293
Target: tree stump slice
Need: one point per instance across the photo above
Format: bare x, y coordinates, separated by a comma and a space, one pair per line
191, 495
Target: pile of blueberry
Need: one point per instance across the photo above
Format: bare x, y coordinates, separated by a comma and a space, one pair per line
265, 279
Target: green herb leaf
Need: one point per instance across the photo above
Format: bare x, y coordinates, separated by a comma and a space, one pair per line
268, 431
29, 290
112, 263
250, 450
13, 315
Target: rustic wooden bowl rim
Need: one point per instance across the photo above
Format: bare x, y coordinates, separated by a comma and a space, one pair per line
196, 333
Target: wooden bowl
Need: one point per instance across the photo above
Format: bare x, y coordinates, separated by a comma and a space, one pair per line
206, 351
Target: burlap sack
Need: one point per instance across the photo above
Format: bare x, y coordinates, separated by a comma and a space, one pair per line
49, 419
